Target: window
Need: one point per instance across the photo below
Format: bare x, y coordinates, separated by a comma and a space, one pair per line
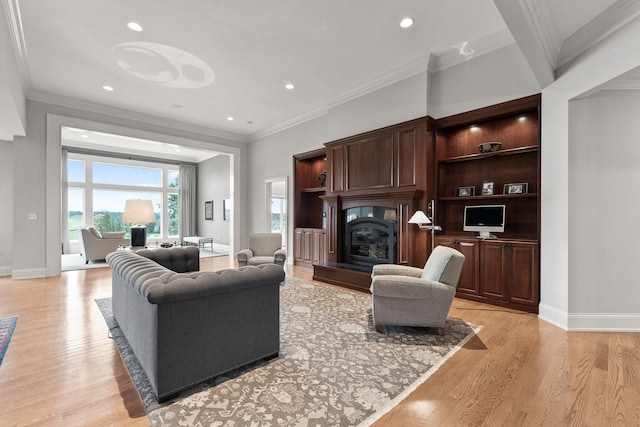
99, 188
75, 210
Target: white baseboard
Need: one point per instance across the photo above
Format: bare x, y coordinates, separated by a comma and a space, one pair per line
554, 316
30, 273
604, 322
5, 270
221, 247
590, 322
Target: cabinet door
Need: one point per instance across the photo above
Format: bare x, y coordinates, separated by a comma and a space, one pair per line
523, 273
470, 276
319, 246
492, 261
307, 248
297, 244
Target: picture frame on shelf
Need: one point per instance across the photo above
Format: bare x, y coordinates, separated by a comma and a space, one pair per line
487, 188
516, 188
208, 210
466, 191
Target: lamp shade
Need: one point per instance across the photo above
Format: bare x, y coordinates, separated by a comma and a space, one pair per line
138, 211
390, 215
419, 218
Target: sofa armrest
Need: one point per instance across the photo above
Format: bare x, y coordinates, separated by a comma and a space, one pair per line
280, 257
410, 288
243, 256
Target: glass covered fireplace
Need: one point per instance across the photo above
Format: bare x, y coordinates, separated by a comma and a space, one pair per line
370, 236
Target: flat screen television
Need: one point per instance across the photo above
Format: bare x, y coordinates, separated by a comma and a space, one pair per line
484, 219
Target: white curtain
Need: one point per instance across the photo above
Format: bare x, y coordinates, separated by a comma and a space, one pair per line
188, 201
65, 203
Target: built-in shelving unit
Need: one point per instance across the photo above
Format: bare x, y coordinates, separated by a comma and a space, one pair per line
505, 270
309, 213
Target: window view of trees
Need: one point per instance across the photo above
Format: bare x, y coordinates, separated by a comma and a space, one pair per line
110, 183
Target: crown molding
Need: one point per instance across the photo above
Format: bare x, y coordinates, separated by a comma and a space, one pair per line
447, 59
540, 20
14, 21
417, 66
615, 17
279, 127
64, 101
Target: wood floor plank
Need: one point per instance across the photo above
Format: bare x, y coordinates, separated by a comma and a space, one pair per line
61, 368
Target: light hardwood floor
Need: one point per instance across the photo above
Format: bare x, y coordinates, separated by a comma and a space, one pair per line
61, 369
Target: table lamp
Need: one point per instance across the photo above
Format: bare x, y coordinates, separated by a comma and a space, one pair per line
139, 212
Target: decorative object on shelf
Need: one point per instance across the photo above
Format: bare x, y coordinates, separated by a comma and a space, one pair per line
466, 191
166, 245
423, 221
322, 178
226, 210
487, 188
208, 210
516, 188
489, 147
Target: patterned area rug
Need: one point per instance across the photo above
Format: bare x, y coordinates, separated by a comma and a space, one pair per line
333, 368
7, 325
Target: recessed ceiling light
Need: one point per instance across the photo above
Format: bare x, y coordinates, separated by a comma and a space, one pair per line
134, 26
289, 86
230, 118
107, 88
406, 22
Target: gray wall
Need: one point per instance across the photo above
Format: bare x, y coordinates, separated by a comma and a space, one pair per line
6, 215
410, 98
214, 184
604, 201
37, 171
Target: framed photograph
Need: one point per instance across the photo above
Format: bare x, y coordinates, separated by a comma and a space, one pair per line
208, 210
466, 191
226, 209
487, 188
516, 188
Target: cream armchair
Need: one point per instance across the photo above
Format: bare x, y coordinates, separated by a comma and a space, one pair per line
96, 245
410, 296
264, 248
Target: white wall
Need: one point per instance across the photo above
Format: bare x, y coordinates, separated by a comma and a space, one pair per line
6, 215
613, 56
12, 102
36, 183
498, 76
604, 201
213, 184
395, 103
272, 157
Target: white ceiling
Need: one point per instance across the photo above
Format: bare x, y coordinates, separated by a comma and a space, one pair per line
201, 61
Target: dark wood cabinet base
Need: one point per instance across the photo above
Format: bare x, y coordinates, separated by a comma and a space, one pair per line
499, 303
347, 278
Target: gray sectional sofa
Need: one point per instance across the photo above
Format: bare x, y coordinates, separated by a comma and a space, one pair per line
186, 328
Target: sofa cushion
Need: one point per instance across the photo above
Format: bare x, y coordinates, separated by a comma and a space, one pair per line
179, 260
95, 233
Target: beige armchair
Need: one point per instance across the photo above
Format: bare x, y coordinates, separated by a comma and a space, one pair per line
410, 296
264, 248
96, 245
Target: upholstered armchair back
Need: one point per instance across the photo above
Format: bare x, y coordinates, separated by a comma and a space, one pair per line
444, 265
265, 244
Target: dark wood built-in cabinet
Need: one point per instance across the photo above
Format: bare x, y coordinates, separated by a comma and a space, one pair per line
504, 270
402, 167
309, 187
